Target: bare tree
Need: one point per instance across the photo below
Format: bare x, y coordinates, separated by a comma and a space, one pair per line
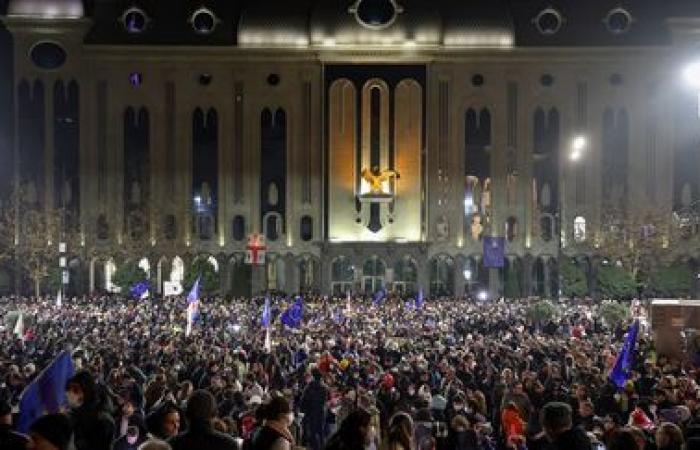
30, 236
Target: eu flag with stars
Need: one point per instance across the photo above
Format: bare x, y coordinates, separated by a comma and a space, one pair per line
379, 296
47, 393
139, 289
494, 251
621, 371
265, 322
292, 316
419, 299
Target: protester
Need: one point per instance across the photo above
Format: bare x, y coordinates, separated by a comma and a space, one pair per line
451, 374
200, 412
50, 432
275, 433
9, 439
356, 432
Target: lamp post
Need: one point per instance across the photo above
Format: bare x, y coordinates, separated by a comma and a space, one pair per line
578, 146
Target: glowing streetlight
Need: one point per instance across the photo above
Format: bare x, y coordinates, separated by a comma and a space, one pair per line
691, 74
579, 143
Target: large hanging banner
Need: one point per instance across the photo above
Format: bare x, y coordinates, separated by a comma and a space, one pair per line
494, 251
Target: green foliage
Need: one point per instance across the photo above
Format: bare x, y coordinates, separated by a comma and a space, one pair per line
210, 278
614, 313
615, 283
575, 283
127, 275
542, 311
512, 285
670, 281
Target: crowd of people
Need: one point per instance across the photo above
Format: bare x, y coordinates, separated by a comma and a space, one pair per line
450, 374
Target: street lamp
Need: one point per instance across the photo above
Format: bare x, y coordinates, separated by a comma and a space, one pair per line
579, 143
691, 76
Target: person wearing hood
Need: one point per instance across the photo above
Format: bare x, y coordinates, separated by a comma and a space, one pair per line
50, 432
201, 410
556, 420
275, 434
93, 425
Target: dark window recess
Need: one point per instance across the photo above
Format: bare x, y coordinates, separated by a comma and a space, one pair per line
102, 228
478, 80
271, 229
306, 228
546, 80
273, 79
616, 79
203, 21
205, 79
205, 227
546, 228
239, 228
170, 227
48, 55
376, 13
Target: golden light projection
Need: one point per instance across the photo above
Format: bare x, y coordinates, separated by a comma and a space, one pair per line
378, 180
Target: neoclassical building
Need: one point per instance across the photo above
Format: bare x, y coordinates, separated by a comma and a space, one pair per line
372, 142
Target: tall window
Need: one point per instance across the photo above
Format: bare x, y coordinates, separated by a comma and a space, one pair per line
579, 229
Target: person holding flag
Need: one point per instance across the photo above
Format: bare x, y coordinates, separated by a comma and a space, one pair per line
265, 322
621, 370
192, 305
379, 296
46, 394
419, 299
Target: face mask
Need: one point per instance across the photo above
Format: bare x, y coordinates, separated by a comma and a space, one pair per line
132, 439
459, 407
73, 400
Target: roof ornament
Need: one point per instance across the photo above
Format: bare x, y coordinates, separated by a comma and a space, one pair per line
376, 14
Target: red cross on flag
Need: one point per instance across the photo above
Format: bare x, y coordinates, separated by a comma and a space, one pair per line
255, 250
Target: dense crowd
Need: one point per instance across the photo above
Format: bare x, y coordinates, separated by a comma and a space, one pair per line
450, 375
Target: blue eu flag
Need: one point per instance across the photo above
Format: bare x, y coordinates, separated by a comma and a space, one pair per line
621, 371
292, 316
266, 313
494, 251
139, 289
419, 299
47, 393
379, 296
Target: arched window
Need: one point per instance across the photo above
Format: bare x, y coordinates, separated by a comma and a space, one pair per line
215, 264
177, 272
442, 275
239, 228
273, 226
170, 227
342, 276
579, 229
306, 228
146, 266
405, 276
102, 228
511, 228
110, 269
546, 227
205, 226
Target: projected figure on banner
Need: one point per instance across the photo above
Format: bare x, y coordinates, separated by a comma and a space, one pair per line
376, 178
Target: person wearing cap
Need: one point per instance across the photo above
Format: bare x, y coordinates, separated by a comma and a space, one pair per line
200, 411
9, 439
50, 432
